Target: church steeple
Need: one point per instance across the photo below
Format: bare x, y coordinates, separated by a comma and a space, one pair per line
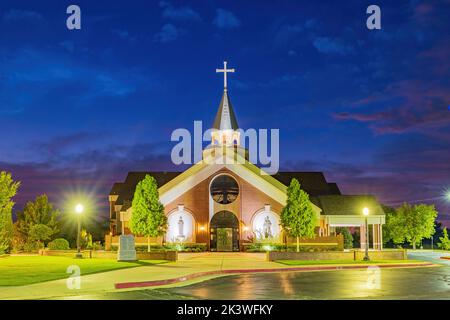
225, 117
225, 124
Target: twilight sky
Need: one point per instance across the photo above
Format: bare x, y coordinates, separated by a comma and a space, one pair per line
79, 109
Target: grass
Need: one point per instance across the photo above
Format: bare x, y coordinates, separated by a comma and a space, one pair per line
23, 270
326, 262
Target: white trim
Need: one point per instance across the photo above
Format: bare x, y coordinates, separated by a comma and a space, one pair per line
352, 220
238, 168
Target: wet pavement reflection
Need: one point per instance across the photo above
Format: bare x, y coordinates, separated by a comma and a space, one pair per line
417, 283
371, 283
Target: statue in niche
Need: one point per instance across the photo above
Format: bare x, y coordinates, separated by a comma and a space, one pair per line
267, 228
181, 229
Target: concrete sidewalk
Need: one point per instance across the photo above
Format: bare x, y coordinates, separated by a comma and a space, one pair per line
189, 263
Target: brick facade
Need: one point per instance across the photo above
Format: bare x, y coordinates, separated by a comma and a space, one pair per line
197, 201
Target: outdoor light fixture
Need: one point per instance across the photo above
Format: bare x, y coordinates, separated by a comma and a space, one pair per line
447, 195
366, 255
79, 208
366, 211
245, 228
202, 228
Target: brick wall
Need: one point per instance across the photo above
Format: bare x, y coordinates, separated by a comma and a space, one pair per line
331, 255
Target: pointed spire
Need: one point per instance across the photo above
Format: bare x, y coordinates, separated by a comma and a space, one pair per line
225, 117
225, 127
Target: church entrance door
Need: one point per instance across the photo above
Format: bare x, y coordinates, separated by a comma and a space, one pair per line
224, 239
224, 232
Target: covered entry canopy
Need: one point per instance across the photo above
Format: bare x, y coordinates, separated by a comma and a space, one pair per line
347, 211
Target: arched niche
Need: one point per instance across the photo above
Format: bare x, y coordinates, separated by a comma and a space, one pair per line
266, 225
181, 226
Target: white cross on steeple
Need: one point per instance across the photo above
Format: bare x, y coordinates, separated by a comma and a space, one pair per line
225, 71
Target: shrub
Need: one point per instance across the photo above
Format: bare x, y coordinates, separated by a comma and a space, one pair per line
348, 237
3, 248
31, 246
182, 247
97, 246
445, 241
59, 244
263, 247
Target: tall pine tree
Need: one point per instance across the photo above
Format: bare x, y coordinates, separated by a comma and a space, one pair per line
148, 218
297, 217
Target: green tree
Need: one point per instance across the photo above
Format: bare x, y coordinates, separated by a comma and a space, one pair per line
39, 211
389, 225
297, 217
148, 218
412, 223
445, 241
86, 239
348, 237
40, 233
8, 189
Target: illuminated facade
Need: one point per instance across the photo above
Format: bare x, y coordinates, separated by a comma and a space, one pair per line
228, 204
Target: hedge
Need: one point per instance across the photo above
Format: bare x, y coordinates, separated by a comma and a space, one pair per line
59, 244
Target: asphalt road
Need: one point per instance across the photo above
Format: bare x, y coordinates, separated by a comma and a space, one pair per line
404, 283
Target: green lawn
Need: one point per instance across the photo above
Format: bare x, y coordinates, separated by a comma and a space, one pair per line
22, 270
322, 262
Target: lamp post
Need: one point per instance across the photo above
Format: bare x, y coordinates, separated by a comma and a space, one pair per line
79, 210
366, 255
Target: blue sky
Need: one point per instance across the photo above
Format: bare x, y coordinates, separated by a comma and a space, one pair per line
79, 109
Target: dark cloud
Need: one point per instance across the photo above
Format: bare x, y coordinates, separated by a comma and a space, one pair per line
93, 170
413, 106
404, 171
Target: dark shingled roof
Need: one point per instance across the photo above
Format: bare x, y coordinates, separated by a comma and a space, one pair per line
220, 114
313, 183
126, 192
347, 204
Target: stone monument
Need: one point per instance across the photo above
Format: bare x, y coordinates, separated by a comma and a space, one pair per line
127, 250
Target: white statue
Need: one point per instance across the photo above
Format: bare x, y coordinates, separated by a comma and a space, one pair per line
180, 227
267, 228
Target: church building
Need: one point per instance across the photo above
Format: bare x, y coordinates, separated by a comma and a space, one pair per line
226, 205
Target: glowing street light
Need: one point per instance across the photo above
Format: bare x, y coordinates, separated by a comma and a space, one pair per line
447, 195
79, 208
366, 255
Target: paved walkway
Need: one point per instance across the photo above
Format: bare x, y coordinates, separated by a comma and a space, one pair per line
189, 263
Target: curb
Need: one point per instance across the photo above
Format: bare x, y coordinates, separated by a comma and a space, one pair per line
155, 283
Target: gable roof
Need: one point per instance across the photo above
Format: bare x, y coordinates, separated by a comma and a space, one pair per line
215, 161
314, 183
347, 204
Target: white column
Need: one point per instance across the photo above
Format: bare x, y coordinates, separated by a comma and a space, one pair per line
381, 236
